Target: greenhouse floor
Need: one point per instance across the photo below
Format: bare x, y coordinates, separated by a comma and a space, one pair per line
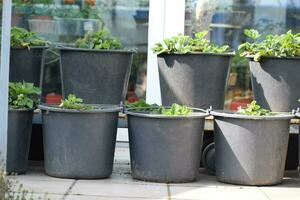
122, 187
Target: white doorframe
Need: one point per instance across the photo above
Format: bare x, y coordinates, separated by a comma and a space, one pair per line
4, 77
166, 19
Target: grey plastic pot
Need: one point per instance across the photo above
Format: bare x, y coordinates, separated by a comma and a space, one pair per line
97, 76
196, 80
251, 150
27, 65
79, 144
275, 83
165, 148
18, 140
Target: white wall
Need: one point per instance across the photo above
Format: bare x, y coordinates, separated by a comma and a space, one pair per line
166, 18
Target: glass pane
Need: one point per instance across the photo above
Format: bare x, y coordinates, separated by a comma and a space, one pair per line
226, 20
64, 21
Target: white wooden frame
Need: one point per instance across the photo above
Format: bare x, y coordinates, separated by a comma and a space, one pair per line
4, 76
166, 18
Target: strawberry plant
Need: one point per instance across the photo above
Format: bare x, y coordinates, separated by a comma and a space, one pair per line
23, 95
253, 109
22, 38
284, 45
174, 110
74, 103
185, 44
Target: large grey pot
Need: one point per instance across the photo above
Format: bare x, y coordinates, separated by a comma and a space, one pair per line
79, 144
275, 83
196, 80
18, 140
251, 150
97, 76
27, 65
165, 148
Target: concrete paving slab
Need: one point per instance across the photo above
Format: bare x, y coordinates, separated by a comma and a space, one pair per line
43, 186
106, 188
81, 197
216, 193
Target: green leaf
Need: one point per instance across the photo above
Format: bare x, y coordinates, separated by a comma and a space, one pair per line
186, 44
284, 45
23, 95
253, 109
98, 40
74, 103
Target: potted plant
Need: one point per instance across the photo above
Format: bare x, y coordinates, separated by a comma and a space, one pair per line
274, 65
97, 69
192, 72
251, 145
26, 56
165, 142
23, 99
79, 139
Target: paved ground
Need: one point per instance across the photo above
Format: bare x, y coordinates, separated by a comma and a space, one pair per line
122, 187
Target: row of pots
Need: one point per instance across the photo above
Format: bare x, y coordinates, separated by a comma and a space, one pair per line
250, 150
197, 80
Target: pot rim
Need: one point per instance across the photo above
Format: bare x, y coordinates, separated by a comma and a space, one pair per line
20, 109
31, 47
230, 114
250, 58
200, 113
125, 51
230, 54
102, 108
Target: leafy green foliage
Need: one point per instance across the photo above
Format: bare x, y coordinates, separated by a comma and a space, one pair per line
174, 110
253, 109
74, 103
23, 95
69, 12
284, 45
22, 38
138, 104
99, 40
186, 44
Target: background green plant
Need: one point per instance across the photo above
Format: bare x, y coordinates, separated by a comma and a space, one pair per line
22, 38
284, 45
253, 109
101, 39
186, 44
23, 95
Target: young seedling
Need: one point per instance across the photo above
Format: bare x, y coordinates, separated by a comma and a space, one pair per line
74, 103
253, 109
174, 110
